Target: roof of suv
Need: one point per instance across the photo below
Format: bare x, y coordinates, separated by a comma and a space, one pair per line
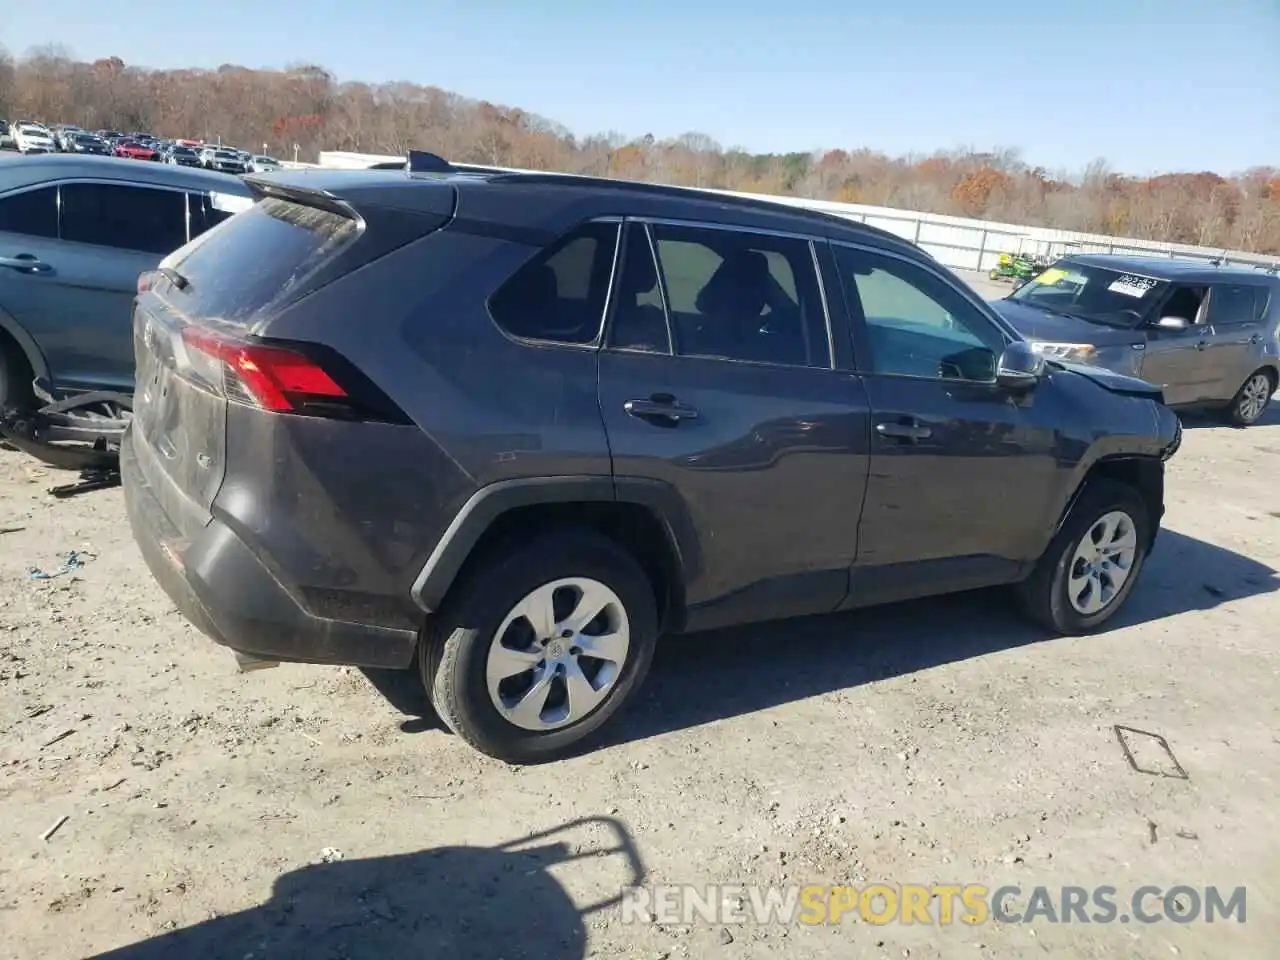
569, 195
1166, 268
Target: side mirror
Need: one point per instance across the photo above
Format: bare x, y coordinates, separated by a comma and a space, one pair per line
1020, 367
1171, 323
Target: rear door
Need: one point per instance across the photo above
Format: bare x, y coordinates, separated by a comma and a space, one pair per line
1234, 315
717, 381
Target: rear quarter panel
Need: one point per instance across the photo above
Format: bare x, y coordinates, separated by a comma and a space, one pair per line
485, 407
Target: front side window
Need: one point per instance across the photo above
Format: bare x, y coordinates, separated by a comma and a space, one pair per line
735, 295
1100, 295
561, 293
917, 324
33, 213
124, 217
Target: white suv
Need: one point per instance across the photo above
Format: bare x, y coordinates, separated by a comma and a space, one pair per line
33, 138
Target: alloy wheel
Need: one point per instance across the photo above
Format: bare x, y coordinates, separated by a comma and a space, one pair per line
1254, 396
1102, 563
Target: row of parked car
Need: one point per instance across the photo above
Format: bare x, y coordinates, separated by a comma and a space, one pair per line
29, 137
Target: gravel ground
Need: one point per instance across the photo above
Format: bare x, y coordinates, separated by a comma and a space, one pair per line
296, 812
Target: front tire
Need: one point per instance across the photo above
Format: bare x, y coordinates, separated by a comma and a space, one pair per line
540, 646
1090, 567
1251, 400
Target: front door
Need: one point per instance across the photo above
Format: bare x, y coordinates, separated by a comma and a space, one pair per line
1175, 360
716, 380
28, 249
963, 475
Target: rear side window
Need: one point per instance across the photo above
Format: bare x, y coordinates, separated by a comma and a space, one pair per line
124, 217
32, 212
560, 294
208, 210
257, 257
1241, 303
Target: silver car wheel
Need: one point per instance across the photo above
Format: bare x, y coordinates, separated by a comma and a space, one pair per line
1254, 396
1102, 563
558, 654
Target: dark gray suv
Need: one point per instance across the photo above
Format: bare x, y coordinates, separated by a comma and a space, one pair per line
1205, 334
509, 428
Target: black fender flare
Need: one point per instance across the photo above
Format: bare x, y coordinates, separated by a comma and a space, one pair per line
493, 500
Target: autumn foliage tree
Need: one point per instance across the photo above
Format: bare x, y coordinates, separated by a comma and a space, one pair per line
304, 109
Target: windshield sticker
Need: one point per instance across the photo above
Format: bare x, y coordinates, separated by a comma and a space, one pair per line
1051, 276
1132, 286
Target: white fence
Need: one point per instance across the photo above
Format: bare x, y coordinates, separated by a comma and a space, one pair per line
958, 242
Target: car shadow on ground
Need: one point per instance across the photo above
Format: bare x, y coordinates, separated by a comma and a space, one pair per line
456, 902
1202, 419
700, 678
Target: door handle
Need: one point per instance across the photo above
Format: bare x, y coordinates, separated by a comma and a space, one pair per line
26, 262
1200, 345
910, 432
1256, 338
661, 407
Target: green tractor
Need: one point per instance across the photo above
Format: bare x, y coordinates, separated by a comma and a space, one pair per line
1018, 267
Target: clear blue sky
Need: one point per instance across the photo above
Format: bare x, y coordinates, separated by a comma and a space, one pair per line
1151, 85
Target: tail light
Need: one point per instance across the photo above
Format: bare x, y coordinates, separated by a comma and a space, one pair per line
280, 379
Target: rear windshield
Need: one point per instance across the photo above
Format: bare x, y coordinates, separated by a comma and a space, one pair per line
256, 258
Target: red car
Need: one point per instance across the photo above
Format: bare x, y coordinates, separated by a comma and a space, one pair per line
135, 151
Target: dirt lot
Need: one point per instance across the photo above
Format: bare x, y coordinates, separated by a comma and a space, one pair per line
295, 811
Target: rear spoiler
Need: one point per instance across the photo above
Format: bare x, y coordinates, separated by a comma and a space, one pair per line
264, 186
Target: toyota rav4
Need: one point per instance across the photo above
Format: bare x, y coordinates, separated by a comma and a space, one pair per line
507, 429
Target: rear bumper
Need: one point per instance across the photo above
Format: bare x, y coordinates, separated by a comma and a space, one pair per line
224, 589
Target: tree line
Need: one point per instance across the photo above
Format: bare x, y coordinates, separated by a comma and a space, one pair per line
303, 109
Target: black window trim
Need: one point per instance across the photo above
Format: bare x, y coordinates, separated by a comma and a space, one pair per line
647, 222
631, 226
864, 363
593, 344
57, 185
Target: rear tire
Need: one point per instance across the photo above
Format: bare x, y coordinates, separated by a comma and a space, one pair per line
543, 711
1076, 587
1251, 400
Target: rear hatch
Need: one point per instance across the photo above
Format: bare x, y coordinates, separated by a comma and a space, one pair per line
199, 324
